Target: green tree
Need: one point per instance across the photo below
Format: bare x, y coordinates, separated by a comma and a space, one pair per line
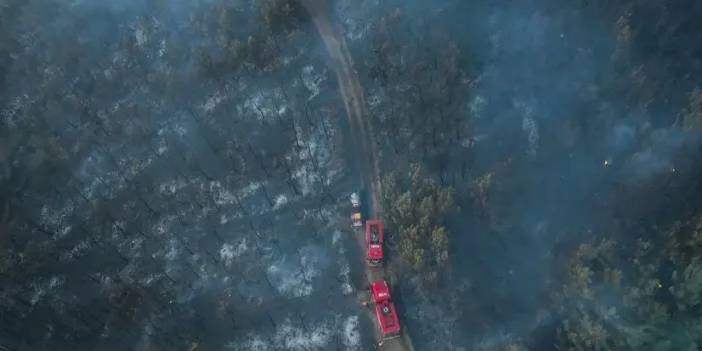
416, 209
650, 300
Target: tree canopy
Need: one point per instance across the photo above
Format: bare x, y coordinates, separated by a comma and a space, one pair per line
649, 301
416, 210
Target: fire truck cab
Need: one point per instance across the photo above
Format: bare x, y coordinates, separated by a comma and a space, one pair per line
374, 242
385, 310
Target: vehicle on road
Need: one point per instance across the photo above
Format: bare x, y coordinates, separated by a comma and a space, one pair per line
356, 218
385, 311
374, 242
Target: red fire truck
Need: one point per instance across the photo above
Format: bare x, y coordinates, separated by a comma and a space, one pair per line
374, 242
385, 310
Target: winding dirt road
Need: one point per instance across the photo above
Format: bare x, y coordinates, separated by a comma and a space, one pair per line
361, 131
353, 96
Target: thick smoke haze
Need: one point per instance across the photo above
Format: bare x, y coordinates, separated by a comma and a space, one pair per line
176, 174
571, 108
160, 188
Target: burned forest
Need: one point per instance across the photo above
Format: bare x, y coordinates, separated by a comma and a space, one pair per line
350, 175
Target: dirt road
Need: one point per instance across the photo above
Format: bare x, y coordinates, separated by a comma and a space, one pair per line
353, 96
361, 131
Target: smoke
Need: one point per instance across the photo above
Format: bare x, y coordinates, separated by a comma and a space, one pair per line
163, 174
555, 60
559, 117
658, 156
552, 112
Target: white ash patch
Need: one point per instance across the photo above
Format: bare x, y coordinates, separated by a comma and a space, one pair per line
53, 72
353, 20
226, 218
337, 242
108, 73
65, 230
355, 30
265, 105
476, 106
529, 126
135, 246
212, 102
172, 186
220, 194
175, 126
180, 130
345, 277
164, 223
131, 167
254, 343
288, 280
334, 171
146, 281
10, 114
312, 80
242, 247
162, 49
317, 149
352, 335
140, 36
305, 180
42, 288
106, 281
97, 177
249, 189
117, 229
57, 219
375, 99
280, 201
531, 129
291, 337
56, 282
295, 279
311, 260
38, 292
89, 189
258, 344
207, 274
229, 252
161, 146
336, 238
172, 252
76, 251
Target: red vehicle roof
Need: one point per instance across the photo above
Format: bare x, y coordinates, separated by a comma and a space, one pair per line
380, 291
375, 252
374, 239
387, 318
385, 310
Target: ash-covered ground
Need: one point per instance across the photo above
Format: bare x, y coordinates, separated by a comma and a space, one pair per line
174, 175
172, 178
